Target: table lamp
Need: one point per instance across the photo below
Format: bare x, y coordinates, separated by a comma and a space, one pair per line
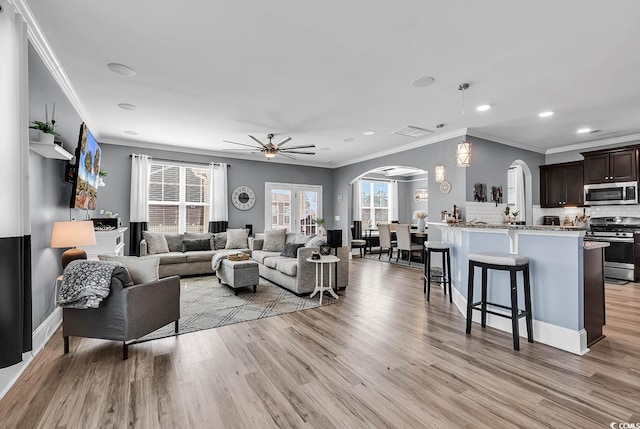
72, 234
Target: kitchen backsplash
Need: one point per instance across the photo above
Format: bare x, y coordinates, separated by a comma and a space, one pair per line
490, 213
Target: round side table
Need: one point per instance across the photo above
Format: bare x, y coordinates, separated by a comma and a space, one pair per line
328, 259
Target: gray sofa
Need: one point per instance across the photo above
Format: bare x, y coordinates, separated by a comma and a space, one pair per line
296, 274
177, 262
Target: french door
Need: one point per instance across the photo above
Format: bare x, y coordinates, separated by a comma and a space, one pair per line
291, 206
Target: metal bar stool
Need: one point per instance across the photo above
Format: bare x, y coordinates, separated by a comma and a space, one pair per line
445, 250
502, 262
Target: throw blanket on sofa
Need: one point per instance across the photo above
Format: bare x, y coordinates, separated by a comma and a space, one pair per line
86, 283
218, 257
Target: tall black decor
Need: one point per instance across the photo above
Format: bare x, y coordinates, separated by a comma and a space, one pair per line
334, 239
218, 226
135, 236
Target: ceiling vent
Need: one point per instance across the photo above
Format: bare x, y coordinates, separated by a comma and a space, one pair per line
411, 131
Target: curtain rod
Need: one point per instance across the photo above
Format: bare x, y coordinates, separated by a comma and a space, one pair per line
184, 162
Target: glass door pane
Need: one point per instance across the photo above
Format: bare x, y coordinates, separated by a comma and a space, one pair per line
281, 203
308, 212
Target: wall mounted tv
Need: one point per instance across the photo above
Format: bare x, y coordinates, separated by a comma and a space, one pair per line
85, 173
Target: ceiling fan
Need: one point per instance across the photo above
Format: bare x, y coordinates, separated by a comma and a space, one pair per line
272, 149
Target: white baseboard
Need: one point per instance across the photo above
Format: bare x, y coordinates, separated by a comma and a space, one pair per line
553, 335
42, 334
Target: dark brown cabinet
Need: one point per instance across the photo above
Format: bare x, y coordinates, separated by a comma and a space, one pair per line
561, 184
618, 165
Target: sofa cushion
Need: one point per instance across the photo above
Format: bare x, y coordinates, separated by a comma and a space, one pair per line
174, 242
316, 241
302, 239
260, 255
287, 266
172, 258
274, 240
196, 245
290, 237
141, 269
291, 250
156, 243
219, 240
237, 238
200, 255
272, 262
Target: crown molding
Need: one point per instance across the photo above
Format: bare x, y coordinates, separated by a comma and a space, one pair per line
424, 142
596, 143
485, 136
43, 48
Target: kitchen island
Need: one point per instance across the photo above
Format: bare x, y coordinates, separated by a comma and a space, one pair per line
560, 261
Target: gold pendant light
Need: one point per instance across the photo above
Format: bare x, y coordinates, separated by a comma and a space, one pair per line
463, 150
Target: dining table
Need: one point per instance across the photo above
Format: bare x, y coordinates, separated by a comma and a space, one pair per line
372, 238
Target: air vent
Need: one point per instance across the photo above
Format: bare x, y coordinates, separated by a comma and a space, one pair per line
411, 131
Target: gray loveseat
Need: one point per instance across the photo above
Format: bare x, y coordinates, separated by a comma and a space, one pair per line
296, 274
174, 255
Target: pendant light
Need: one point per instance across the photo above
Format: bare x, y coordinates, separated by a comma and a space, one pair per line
463, 150
440, 170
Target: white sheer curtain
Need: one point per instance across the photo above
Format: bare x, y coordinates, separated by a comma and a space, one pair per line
520, 195
393, 200
357, 200
139, 198
219, 193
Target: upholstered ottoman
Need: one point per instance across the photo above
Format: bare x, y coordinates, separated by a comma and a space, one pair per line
238, 274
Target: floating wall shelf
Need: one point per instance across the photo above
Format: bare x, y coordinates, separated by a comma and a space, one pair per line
50, 150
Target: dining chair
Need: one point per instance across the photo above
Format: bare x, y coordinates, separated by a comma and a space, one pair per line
358, 242
403, 235
385, 240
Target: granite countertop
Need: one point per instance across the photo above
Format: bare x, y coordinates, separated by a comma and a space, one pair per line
590, 245
516, 227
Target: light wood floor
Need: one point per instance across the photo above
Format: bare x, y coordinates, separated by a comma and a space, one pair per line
381, 357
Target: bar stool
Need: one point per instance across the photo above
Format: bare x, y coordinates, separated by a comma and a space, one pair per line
445, 278
502, 262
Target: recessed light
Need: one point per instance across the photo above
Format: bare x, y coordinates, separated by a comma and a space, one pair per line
131, 133
583, 130
127, 106
483, 107
545, 114
121, 69
423, 81
349, 139
368, 132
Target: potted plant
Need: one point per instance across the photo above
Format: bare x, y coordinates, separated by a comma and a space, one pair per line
514, 216
46, 133
101, 174
421, 216
321, 229
507, 216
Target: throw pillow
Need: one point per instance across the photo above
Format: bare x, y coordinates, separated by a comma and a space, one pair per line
174, 242
302, 239
198, 244
316, 241
291, 250
274, 240
219, 240
156, 243
142, 269
237, 239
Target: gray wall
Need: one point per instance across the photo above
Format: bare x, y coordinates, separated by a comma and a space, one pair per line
49, 193
117, 163
413, 205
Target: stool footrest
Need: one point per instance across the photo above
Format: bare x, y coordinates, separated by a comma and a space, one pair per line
478, 306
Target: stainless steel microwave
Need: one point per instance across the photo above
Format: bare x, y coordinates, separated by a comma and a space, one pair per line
611, 193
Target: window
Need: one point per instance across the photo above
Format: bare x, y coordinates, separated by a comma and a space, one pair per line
374, 197
294, 207
178, 198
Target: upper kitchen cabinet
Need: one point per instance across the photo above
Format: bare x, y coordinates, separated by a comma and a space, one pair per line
617, 165
561, 184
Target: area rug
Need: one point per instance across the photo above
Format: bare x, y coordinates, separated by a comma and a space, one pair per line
206, 304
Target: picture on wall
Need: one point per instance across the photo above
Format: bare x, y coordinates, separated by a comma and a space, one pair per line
87, 177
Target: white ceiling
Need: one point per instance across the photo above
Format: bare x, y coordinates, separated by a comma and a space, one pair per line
323, 72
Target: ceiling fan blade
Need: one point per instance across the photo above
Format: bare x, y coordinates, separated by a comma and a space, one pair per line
299, 147
284, 140
258, 141
241, 144
241, 150
299, 153
286, 156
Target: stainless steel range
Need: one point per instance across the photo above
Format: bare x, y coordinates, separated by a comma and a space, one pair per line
619, 233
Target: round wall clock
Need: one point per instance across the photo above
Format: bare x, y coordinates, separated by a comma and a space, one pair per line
445, 187
243, 197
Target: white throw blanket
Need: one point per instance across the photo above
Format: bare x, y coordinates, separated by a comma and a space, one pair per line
218, 257
86, 283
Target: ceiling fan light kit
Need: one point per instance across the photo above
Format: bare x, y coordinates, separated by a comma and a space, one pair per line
271, 149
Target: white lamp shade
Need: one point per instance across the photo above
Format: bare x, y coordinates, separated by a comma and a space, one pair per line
73, 234
440, 173
463, 154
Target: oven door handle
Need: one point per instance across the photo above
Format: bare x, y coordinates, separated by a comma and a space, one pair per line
610, 239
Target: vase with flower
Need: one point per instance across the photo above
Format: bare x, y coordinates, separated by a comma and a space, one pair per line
421, 217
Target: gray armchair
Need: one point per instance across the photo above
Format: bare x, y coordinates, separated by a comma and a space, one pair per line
129, 312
